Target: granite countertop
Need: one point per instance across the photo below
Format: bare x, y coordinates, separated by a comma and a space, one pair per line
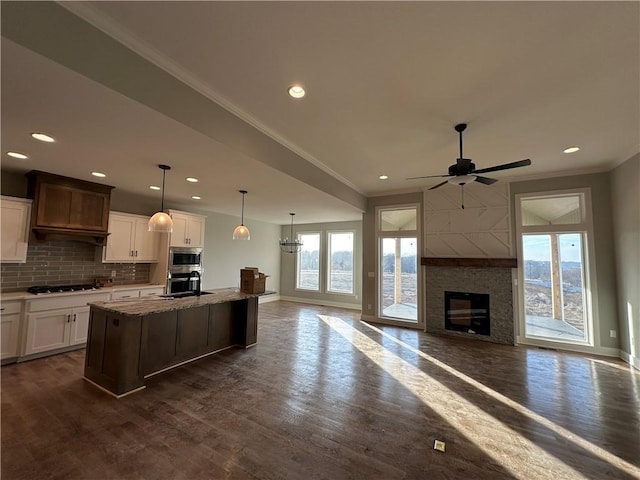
156, 304
24, 295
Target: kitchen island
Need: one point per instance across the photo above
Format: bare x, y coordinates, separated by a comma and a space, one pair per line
131, 340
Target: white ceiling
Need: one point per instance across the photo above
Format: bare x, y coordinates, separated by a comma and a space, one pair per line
386, 83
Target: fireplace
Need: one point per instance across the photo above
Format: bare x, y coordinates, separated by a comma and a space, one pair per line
494, 281
467, 312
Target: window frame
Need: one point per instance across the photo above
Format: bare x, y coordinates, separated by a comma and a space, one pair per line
327, 286
320, 250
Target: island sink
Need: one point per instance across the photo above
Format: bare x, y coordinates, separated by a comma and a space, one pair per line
185, 294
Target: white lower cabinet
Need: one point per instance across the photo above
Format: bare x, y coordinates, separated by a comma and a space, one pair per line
10, 315
56, 323
56, 329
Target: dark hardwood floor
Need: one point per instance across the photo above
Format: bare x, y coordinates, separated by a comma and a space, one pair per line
325, 396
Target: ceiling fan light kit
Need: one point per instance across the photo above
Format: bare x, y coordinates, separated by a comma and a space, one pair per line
462, 179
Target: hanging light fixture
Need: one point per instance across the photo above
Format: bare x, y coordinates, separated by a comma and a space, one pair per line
293, 245
242, 232
161, 222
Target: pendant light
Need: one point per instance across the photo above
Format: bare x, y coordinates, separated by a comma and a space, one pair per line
293, 245
161, 222
242, 232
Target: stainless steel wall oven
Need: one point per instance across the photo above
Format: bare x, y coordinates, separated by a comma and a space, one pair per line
185, 269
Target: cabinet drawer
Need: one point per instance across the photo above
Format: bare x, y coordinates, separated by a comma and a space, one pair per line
125, 294
151, 291
65, 301
7, 308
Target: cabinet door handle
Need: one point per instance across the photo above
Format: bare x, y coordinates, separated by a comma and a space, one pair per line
126, 296
131, 254
2, 309
136, 253
68, 318
74, 317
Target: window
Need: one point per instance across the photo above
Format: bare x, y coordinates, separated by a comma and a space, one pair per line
340, 262
308, 269
554, 250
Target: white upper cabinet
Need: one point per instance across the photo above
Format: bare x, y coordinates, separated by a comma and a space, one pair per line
188, 229
130, 240
14, 229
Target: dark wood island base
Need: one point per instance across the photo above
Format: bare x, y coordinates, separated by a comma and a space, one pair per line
129, 341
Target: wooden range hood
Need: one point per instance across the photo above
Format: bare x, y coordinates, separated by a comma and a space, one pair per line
66, 208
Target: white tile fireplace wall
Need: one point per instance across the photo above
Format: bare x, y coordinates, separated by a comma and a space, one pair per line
494, 281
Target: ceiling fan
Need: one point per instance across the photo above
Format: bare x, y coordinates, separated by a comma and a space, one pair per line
464, 170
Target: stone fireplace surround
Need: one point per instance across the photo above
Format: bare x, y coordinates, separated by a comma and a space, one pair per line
492, 278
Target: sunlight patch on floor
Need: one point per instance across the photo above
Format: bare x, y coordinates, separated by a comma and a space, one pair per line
588, 446
506, 446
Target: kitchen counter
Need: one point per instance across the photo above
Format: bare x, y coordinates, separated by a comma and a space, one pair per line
132, 340
24, 295
158, 304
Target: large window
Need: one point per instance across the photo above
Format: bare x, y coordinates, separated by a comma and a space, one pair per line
308, 271
340, 262
554, 231
397, 231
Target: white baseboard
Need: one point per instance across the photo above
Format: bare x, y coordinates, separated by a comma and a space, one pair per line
604, 351
630, 359
389, 321
311, 301
269, 298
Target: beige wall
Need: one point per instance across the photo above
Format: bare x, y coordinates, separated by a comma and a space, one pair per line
606, 314
288, 266
625, 195
224, 257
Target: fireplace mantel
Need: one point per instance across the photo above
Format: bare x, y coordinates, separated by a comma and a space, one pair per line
469, 262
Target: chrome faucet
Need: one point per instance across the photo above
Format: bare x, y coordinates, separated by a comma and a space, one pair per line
198, 290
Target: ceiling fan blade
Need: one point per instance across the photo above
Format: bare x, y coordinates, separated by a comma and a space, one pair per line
439, 185
428, 176
506, 166
485, 180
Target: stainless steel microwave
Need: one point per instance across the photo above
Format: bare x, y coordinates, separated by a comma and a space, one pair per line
185, 259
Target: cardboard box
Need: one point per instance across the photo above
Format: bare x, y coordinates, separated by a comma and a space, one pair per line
252, 281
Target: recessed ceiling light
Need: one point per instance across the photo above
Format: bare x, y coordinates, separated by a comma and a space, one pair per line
192, 179
21, 156
43, 137
154, 187
98, 174
296, 91
196, 197
571, 149
383, 177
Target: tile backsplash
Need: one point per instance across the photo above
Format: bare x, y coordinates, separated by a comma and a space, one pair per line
67, 262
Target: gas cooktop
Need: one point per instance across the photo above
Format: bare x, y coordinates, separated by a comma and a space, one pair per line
37, 290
